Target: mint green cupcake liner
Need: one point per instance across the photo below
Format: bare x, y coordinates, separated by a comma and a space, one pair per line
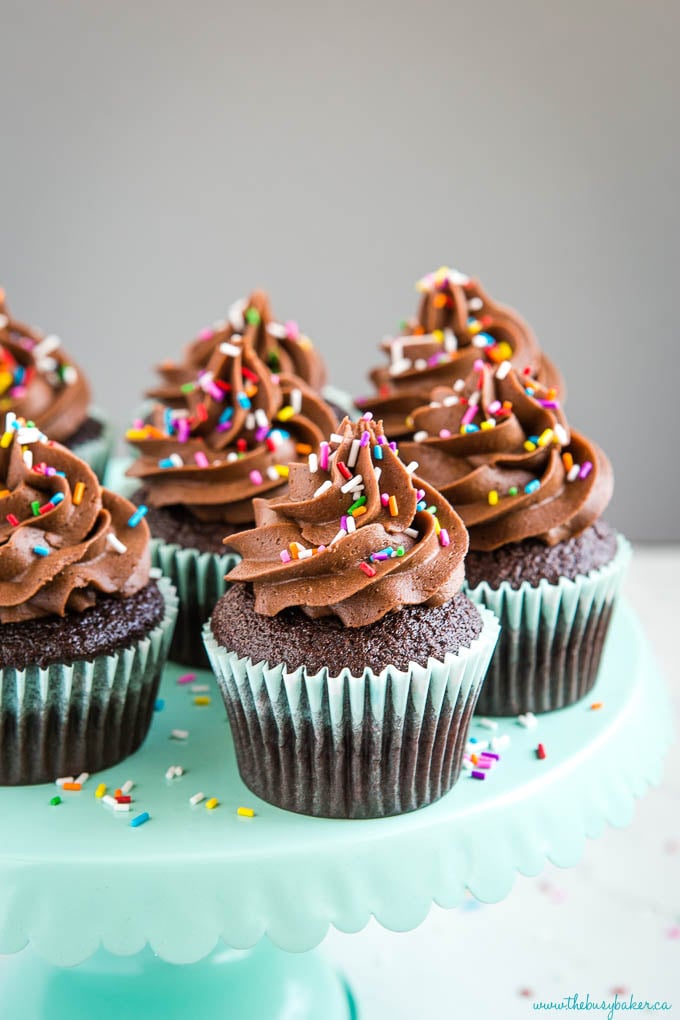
352, 747
64, 720
97, 452
340, 399
199, 580
551, 639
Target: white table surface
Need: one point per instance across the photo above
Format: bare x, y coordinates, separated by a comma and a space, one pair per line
611, 923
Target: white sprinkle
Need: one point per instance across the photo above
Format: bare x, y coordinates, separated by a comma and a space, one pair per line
479, 341
473, 399
46, 365
528, 720
176, 460
196, 799
451, 401
272, 473
396, 348
397, 367
116, 543
421, 436
455, 276
173, 770
351, 525
109, 800
295, 400
450, 341
47, 346
231, 457
413, 466
10, 418
573, 473
340, 534
179, 734
313, 462
28, 458
155, 573
353, 453
411, 532
503, 369
487, 724
324, 487
305, 554
420, 364
250, 421
261, 417
377, 473
335, 438
179, 771
121, 807
3, 321
26, 436
64, 779
467, 765
277, 329
352, 484
199, 688
459, 385
235, 313
475, 304
127, 786
83, 778
69, 374
500, 743
231, 349
562, 435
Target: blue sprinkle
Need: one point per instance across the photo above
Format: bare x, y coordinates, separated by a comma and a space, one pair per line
160, 705
532, 486
489, 340
140, 512
140, 819
472, 428
377, 452
62, 474
57, 498
529, 391
422, 505
41, 550
167, 418
244, 401
226, 415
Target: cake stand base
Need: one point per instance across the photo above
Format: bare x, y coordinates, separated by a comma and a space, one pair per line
263, 983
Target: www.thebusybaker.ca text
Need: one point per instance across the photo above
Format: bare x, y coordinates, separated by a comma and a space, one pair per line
607, 1006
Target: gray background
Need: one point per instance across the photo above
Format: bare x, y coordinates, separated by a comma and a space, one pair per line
160, 159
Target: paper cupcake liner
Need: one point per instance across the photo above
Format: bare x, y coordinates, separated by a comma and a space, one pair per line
64, 720
551, 638
352, 747
97, 452
199, 580
338, 397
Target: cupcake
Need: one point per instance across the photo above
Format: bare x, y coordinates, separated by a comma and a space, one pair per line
349, 660
41, 383
531, 492
84, 630
217, 441
457, 323
281, 346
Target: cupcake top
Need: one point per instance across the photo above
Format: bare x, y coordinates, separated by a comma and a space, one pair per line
63, 538
457, 323
38, 380
357, 536
280, 345
227, 435
498, 446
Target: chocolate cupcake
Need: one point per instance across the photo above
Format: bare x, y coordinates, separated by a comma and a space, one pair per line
41, 383
84, 630
531, 493
214, 443
457, 323
349, 661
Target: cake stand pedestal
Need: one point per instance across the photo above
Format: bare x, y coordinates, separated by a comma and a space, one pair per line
78, 883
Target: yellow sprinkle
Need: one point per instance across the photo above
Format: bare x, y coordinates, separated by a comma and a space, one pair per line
486, 425
474, 327
545, 437
409, 422
6, 440
100, 791
437, 526
285, 413
568, 461
135, 434
303, 448
78, 493
3, 493
202, 699
282, 470
359, 512
529, 446
245, 812
212, 803
305, 343
501, 352
438, 335
493, 497
394, 509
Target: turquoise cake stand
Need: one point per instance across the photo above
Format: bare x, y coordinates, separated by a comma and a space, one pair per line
240, 901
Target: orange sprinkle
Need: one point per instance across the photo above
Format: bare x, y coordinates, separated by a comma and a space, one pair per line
294, 550
251, 390
72, 786
394, 509
359, 512
303, 448
596, 704
568, 461
418, 330
78, 493
440, 301
118, 793
474, 758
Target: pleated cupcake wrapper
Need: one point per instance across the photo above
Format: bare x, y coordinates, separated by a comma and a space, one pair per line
352, 747
199, 580
551, 638
64, 720
97, 452
338, 397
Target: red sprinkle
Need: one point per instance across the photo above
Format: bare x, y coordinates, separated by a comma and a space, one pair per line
12, 520
368, 571
249, 375
271, 445
540, 752
46, 507
241, 445
344, 470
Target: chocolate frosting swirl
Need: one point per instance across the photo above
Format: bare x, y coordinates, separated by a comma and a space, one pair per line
387, 541
457, 323
38, 380
227, 435
281, 346
498, 447
78, 543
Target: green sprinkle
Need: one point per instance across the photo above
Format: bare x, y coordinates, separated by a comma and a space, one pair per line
512, 491
253, 317
35, 507
403, 326
274, 361
432, 510
356, 504
400, 550
55, 801
188, 387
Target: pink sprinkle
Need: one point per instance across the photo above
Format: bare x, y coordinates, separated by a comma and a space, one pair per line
484, 764
261, 433
324, 453
381, 440
444, 434
256, 477
420, 494
275, 379
138, 423
292, 329
469, 415
365, 438
285, 556
444, 537
183, 430
213, 390
206, 334
586, 468
343, 522
187, 678
673, 932
393, 447
384, 498
433, 360
495, 406
367, 416
478, 365
201, 459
